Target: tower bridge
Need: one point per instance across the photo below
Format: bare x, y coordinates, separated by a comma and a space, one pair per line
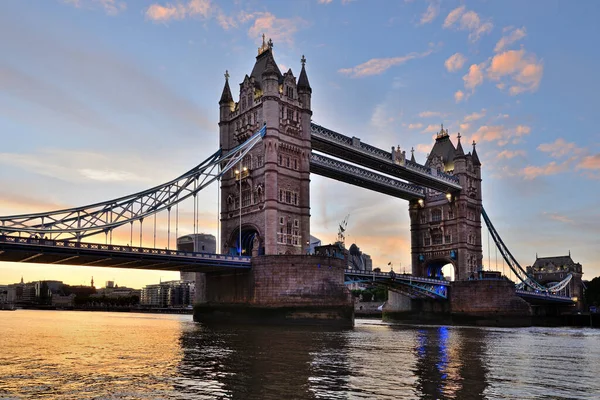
269, 146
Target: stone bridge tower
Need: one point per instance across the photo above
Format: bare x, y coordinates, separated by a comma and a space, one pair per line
270, 212
446, 227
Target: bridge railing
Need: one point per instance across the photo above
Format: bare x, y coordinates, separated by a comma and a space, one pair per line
67, 244
407, 277
543, 295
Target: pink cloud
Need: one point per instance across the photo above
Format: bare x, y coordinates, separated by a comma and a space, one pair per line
523, 69
376, 66
514, 36
552, 168
433, 9
560, 148
455, 62
459, 96
507, 154
469, 21
415, 126
590, 162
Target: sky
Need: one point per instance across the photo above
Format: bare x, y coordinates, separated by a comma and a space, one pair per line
103, 98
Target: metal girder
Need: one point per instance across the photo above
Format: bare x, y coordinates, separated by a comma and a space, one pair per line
353, 150
344, 172
80, 222
424, 287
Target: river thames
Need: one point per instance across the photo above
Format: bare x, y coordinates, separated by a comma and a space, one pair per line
95, 355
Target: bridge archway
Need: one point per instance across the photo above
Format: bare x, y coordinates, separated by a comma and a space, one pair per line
250, 239
441, 268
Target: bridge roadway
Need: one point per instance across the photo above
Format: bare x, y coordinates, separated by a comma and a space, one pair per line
64, 252
352, 149
45, 251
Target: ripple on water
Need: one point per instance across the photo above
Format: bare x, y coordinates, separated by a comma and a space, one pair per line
78, 355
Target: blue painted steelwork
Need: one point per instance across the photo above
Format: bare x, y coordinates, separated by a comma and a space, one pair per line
412, 286
70, 252
545, 297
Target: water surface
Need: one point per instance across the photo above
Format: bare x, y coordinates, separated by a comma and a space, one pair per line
93, 355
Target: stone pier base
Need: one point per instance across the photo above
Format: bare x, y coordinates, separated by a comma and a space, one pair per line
489, 303
279, 289
477, 302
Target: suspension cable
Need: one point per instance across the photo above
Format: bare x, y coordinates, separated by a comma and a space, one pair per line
169, 228
154, 244
141, 226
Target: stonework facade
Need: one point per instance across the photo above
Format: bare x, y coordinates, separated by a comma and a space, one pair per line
446, 227
271, 208
552, 270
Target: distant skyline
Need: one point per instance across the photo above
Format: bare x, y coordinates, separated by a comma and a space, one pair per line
103, 98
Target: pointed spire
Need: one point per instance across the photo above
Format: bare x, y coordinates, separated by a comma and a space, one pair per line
303, 78
226, 96
270, 65
474, 156
412, 156
459, 150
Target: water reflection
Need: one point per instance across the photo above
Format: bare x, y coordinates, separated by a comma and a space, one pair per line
450, 363
79, 355
242, 362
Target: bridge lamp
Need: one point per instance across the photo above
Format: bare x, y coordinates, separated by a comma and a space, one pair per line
245, 169
449, 197
421, 202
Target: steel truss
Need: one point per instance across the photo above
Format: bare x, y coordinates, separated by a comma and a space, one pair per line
79, 222
526, 279
414, 287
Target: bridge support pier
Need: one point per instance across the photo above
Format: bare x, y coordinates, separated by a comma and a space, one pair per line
474, 302
488, 303
279, 289
400, 307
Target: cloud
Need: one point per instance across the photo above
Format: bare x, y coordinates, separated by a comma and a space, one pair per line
523, 70
433, 9
278, 29
325, 1
501, 134
590, 162
459, 96
514, 36
376, 66
464, 20
83, 166
429, 114
455, 62
111, 7
552, 168
560, 148
179, 10
475, 116
558, 217
507, 154
474, 77
415, 126
73, 75
431, 128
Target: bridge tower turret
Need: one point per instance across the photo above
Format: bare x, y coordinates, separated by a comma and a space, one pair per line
446, 227
265, 200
